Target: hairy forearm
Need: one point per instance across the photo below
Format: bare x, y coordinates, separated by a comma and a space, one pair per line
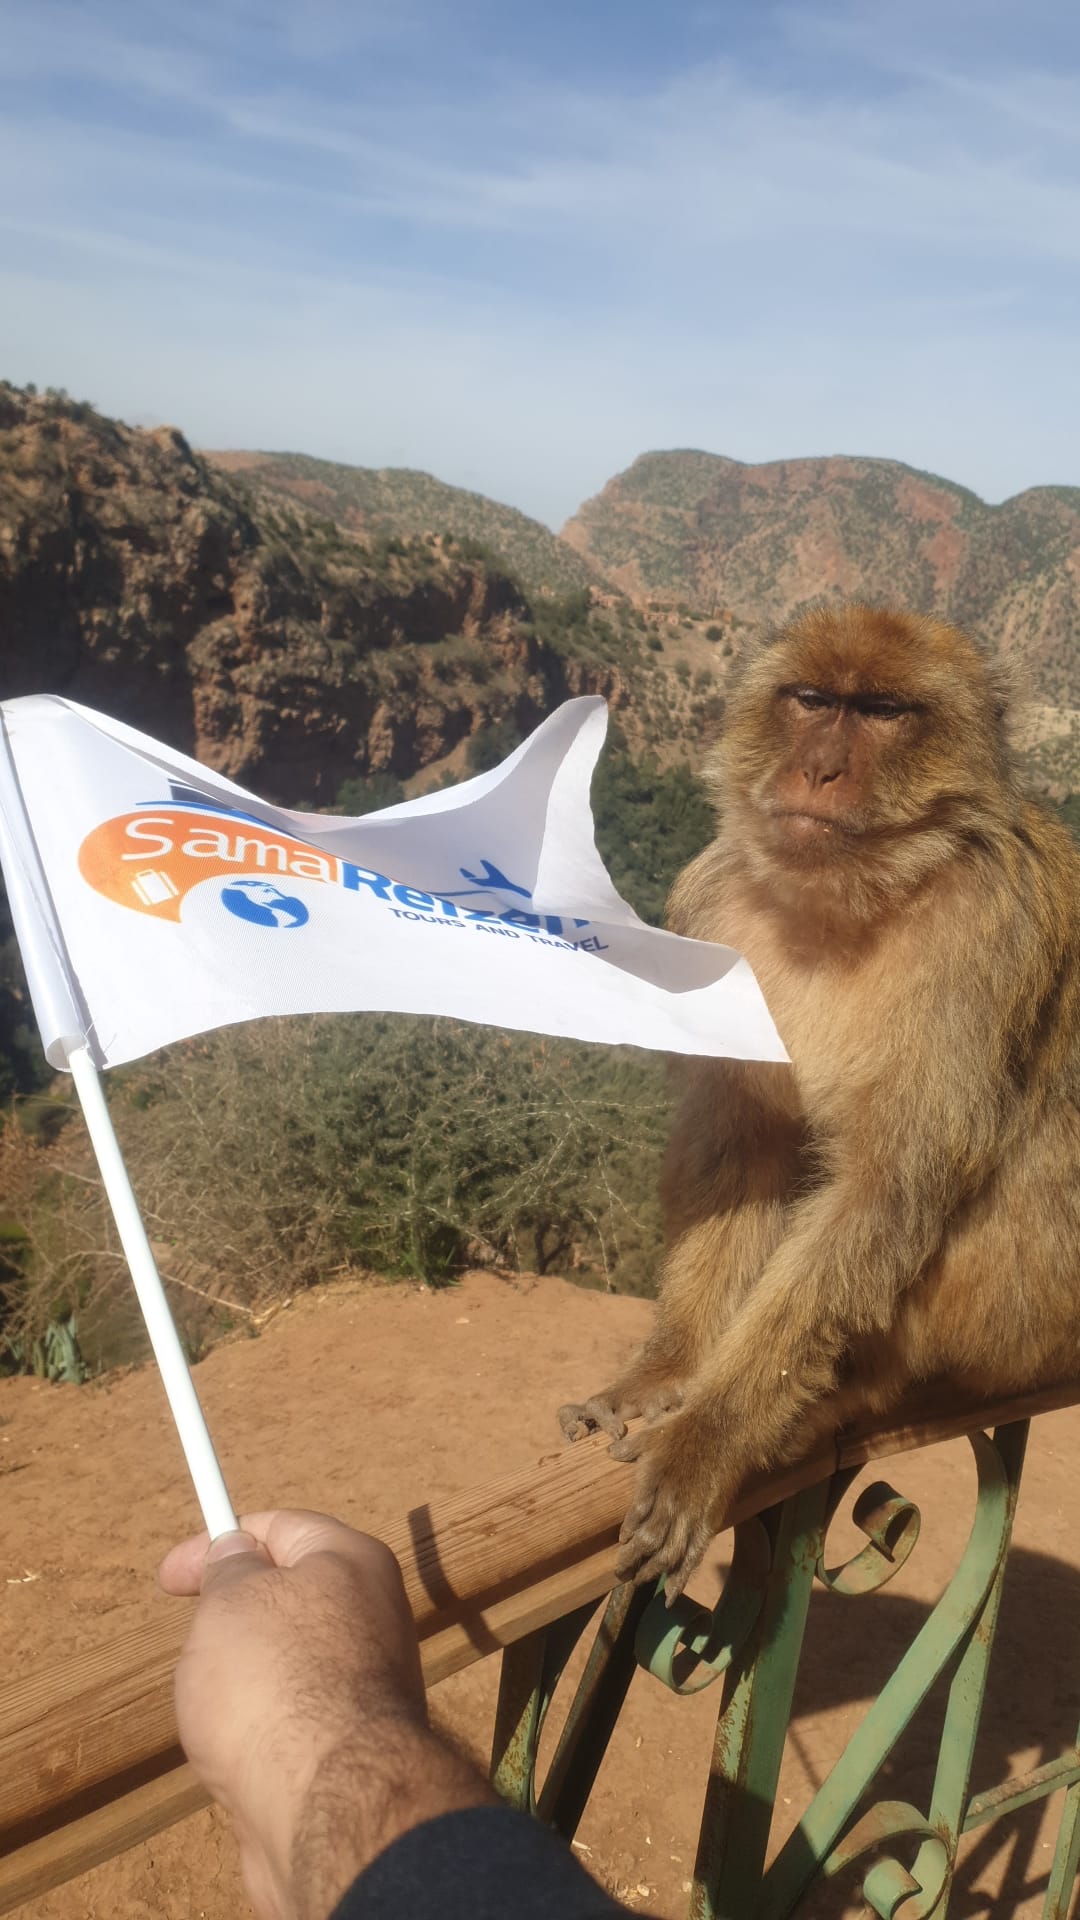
388, 1776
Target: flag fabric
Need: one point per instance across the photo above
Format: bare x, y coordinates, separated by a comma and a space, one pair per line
154, 899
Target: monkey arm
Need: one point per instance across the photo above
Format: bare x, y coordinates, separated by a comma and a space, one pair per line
735, 1155
836, 1275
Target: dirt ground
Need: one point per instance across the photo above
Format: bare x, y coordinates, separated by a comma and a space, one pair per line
366, 1401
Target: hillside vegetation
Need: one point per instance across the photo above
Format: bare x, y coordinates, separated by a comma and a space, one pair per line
700, 550
281, 647
399, 501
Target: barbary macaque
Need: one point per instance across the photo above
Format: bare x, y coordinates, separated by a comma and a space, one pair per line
901, 1203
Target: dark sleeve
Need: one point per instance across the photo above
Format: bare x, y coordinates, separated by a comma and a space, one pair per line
483, 1863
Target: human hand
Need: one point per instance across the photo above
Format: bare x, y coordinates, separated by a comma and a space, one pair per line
300, 1704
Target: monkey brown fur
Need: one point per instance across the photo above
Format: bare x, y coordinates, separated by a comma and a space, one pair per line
903, 1202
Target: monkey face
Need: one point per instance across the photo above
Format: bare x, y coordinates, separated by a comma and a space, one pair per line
833, 752
854, 729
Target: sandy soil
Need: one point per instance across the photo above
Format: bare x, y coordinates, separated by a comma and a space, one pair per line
365, 1401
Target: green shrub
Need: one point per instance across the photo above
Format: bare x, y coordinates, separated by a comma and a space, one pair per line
491, 744
369, 794
269, 1157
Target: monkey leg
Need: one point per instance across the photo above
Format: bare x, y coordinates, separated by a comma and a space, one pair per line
724, 1221
997, 1310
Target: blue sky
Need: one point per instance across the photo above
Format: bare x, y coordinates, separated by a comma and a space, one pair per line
518, 244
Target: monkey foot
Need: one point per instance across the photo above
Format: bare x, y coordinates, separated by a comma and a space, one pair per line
597, 1415
669, 1523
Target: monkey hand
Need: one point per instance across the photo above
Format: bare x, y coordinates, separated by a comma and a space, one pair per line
609, 1410
681, 1493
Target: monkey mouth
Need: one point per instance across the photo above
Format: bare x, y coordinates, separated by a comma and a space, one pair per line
811, 839
801, 824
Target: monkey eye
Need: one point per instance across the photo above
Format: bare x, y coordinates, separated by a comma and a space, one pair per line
811, 698
880, 706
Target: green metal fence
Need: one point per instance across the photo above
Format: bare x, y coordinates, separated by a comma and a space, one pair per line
751, 1644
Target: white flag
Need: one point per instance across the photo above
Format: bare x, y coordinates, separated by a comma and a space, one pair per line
154, 899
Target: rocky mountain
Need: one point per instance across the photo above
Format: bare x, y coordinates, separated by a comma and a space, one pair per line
398, 501
760, 541
299, 624
270, 643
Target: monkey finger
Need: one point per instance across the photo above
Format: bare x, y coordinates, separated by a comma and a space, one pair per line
675, 1580
630, 1446
693, 1555
573, 1420
630, 1559
635, 1520
654, 1547
638, 1511
658, 1563
602, 1413
647, 1539
578, 1418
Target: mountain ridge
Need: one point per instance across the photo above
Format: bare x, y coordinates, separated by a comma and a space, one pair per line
763, 540
405, 500
698, 540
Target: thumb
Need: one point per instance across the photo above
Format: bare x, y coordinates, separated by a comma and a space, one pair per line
230, 1557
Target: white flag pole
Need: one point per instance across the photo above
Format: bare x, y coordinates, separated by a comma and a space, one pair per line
59, 1010
210, 1490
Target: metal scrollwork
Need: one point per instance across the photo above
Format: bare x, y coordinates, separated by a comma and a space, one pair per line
891, 1524
687, 1646
889, 1885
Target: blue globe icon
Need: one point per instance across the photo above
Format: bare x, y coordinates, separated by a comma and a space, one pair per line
260, 902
